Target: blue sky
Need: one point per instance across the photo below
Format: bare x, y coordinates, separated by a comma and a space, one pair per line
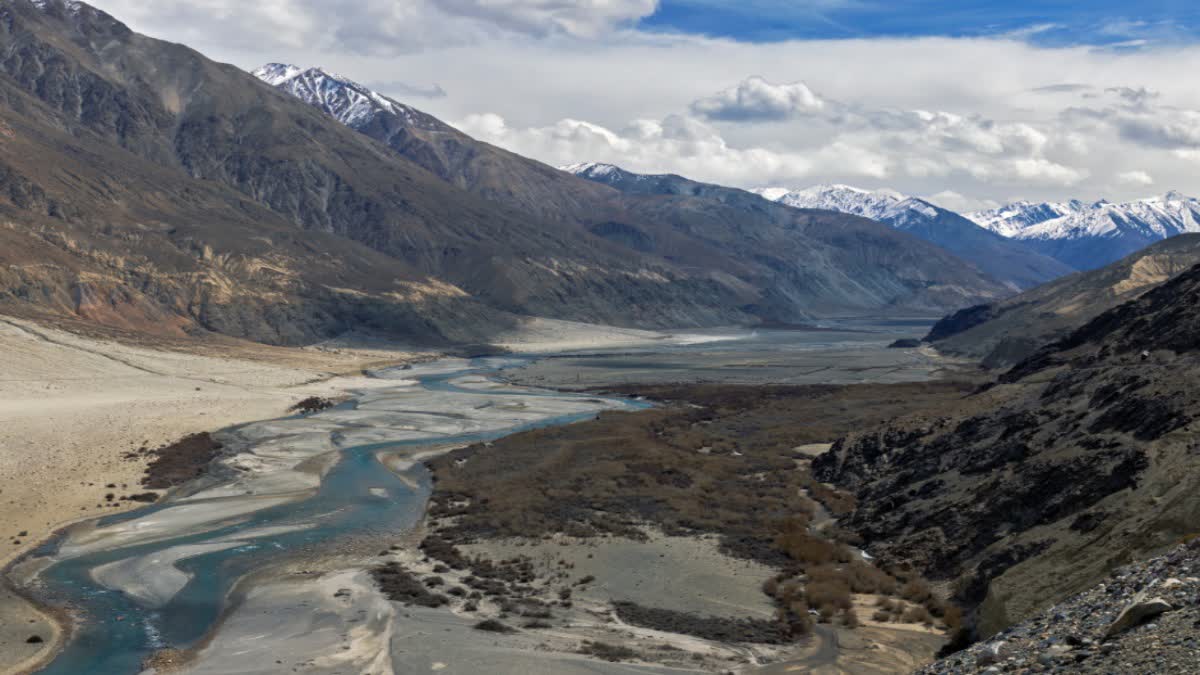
1053, 23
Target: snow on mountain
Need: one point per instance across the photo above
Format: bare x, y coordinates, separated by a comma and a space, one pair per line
1089, 235
886, 206
591, 169
1011, 262
349, 102
1156, 217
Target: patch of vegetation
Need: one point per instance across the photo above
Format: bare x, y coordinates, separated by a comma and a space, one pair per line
400, 585
706, 627
725, 463
179, 462
607, 652
312, 404
494, 626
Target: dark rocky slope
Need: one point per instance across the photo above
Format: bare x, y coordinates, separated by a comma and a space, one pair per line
1144, 618
1083, 458
1003, 333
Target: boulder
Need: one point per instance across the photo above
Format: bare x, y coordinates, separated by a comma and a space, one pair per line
1137, 612
993, 652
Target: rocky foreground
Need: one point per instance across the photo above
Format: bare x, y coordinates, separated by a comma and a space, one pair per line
1144, 619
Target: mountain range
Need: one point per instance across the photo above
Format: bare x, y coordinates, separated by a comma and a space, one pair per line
146, 187
1087, 235
1012, 262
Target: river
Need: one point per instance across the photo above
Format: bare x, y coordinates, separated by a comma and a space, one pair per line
161, 577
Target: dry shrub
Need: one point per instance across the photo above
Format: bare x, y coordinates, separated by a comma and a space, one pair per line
864, 578
798, 620
838, 502
771, 587
827, 588
809, 549
850, 618
917, 614
916, 590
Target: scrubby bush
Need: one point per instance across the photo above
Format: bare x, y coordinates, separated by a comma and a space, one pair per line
917, 614
808, 549
916, 590
834, 594
494, 626
850, 618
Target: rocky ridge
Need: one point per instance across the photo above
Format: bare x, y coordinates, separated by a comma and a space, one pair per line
1145, 618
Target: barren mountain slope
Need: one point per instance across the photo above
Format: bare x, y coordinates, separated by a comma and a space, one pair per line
1083, 458
1005, 332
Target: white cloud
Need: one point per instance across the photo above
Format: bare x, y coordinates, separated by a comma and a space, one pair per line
987, 119
949, 199
755, 99
676, 144
857, 142
375, 26
1140, 178
1170, 129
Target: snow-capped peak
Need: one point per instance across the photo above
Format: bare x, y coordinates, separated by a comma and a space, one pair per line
1148, 219
772, 194
276, 74
348, 101
882, 205
586, 169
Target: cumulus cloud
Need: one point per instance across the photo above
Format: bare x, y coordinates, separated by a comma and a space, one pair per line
949, 199
867, 145
376, 26
569, 81
1170, 130
755, 99
675, 144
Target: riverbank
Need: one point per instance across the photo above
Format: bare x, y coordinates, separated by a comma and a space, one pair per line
74, 409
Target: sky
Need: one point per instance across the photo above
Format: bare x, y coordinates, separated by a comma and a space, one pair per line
968, 103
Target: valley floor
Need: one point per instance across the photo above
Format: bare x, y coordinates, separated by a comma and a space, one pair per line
75, 411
